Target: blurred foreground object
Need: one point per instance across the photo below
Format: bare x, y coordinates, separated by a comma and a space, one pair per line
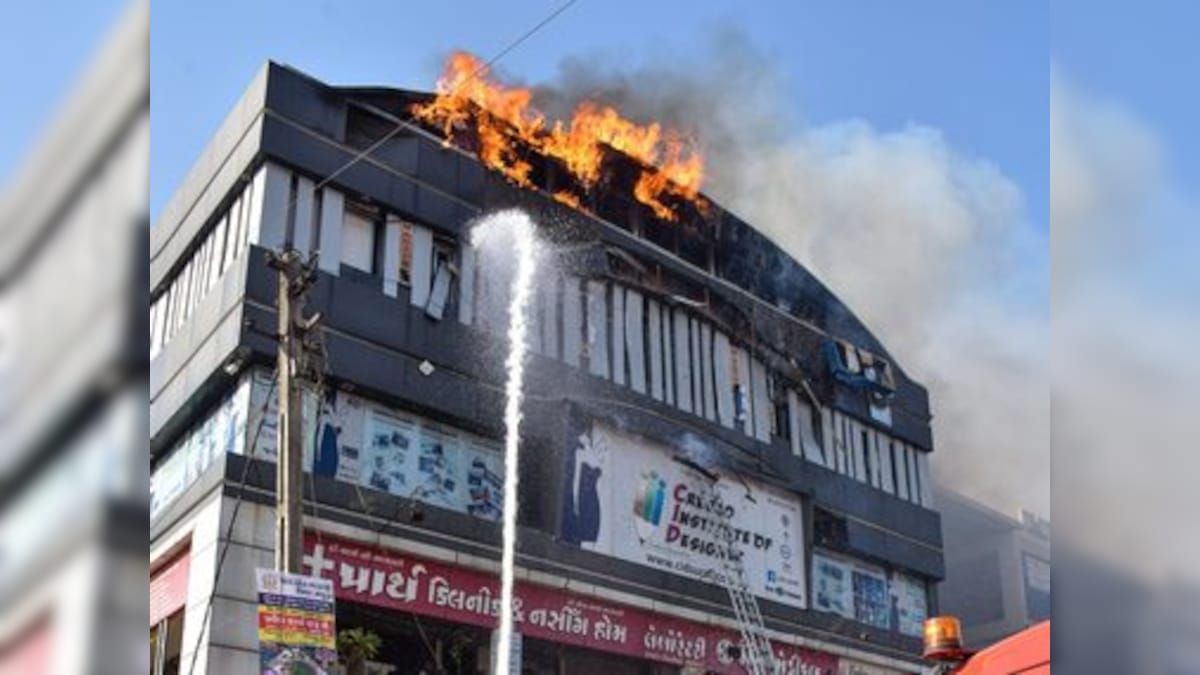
1126, 385
73, 362
1025, 652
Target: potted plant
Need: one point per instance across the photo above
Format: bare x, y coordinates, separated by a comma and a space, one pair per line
355, 647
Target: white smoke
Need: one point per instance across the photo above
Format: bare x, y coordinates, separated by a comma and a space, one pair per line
930, 247
932, 250
699, 451
1125, 366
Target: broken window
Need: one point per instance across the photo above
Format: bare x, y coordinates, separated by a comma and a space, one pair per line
849, 357
739, 391
876, 370
358, 238
444, 273
406, 253
866, 457
780, 414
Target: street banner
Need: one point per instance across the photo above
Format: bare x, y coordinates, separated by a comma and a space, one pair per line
296, 634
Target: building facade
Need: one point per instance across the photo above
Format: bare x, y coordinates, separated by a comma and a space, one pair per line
73, 366
661, 352
997, 569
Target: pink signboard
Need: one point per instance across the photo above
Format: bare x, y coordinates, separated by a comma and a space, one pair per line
168, 587
375, 576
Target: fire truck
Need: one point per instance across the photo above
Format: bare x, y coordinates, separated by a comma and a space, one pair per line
1027, 652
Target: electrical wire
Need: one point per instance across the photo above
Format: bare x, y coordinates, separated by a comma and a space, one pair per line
402, 124
237, 505
406, 121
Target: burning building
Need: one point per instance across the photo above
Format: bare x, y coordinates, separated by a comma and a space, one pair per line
672, 342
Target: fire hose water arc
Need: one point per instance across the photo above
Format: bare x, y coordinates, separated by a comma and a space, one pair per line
512, 230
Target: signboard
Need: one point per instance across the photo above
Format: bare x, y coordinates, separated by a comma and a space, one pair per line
354, 441
832, 590
911, 601
168, 587
630, 498
347, 439
515, 644
436, 465
851, 589
295, 624
223, 431
371, 575
31, 650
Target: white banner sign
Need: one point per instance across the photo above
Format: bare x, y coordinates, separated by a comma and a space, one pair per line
355, 441
631, 499
851, 589
911, 604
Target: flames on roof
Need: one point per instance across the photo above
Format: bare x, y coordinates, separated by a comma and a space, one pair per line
504, 125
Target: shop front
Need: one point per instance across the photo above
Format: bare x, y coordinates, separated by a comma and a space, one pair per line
168, 595
429, 608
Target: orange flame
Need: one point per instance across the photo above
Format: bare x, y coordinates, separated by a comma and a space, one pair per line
507, 123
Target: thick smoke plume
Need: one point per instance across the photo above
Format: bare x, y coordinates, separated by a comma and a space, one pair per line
930, 247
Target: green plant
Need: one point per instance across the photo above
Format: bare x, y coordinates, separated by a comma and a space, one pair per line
355, 647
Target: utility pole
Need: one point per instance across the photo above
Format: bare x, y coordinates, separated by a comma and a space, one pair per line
295, 278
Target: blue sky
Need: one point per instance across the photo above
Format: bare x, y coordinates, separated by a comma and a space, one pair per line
43, 48
979, 73
1142, 55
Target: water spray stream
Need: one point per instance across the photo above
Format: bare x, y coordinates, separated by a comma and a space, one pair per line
515, 228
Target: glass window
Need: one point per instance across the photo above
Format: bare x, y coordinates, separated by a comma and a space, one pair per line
166, 645
358, 239
406, 253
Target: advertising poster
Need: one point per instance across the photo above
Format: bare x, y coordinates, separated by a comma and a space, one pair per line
832, 591
630, 498
851, 589
262, 427
438, 466
391, 441
437, 470
872, 601
168, 481
909, 596
220, 432
391, 451
485, 482
296, 633
338, 437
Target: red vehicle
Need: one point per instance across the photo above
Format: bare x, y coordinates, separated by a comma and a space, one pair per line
1027, 652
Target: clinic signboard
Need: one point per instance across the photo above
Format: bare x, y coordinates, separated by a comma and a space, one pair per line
633, 499
391, 579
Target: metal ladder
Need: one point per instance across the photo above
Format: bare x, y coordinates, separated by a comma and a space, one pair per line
757, 656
